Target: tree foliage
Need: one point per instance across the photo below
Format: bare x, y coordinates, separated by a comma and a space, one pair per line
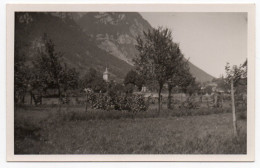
49, 70
133, 78
236, 73
92, 79
181, 77
208, 89
21, 75
158, 57
221, 83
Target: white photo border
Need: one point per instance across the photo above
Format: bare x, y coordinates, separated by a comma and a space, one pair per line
248, 8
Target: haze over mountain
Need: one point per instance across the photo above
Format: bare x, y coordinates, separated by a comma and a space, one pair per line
93, 39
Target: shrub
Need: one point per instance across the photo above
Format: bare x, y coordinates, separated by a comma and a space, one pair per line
189, 103
136, 103
132, 103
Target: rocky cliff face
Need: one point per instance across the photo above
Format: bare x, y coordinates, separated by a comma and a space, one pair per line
115, 32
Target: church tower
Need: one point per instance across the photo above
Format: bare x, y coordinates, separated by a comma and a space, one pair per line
105, 75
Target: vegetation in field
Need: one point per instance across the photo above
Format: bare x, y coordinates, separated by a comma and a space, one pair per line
54, 130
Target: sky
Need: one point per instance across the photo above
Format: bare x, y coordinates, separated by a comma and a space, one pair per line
209, 40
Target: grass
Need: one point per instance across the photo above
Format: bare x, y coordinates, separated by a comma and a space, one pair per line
70, 130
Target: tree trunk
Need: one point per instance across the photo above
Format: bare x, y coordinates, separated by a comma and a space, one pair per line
169, 97
23, 97
59, 94
215, 100
208, 101
31, 97
233, 109
159, 99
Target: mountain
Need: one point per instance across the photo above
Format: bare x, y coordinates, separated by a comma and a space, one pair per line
93, 39
79, 50
201, 76
115, 32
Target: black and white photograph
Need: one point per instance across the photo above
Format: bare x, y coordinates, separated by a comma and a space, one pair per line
123, 82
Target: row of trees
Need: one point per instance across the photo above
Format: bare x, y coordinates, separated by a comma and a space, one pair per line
160, 60
47, 71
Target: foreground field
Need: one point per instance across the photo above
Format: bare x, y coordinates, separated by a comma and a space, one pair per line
43, 130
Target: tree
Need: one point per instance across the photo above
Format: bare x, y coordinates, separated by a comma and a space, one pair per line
181, 77
93, 80
221, 83
70, 79
193, 88
50, 71
132, 77
21, 72
129, 88
233, 76
156, 58
208, 89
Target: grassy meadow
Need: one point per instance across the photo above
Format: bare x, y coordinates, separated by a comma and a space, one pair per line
49, 129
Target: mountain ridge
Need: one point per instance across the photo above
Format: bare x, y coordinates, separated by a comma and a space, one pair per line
96, 39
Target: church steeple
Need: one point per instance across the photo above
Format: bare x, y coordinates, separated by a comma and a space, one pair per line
105, 75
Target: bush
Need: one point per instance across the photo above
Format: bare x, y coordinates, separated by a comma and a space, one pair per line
132, 103
190, 103
136, 103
